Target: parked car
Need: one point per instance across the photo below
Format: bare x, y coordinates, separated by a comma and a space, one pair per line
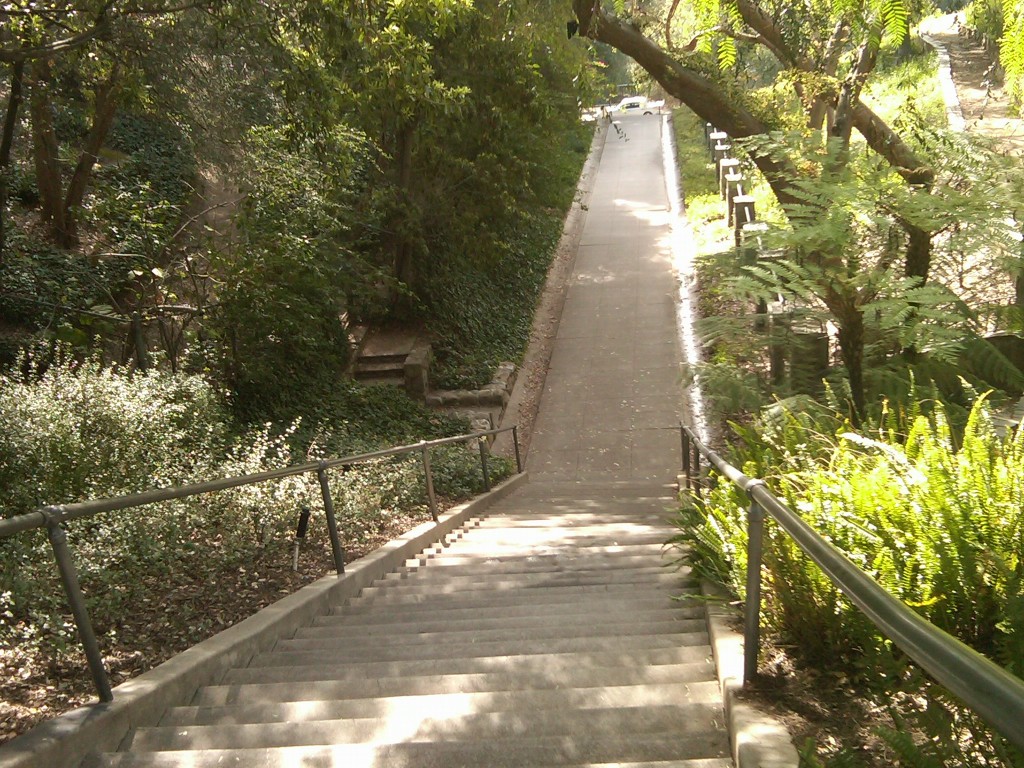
632, 104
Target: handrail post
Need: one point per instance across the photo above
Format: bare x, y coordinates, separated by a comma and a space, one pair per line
695, 466
752, 607
73, 590
483, 463
515, 444
685, 439
428, 475
332, 521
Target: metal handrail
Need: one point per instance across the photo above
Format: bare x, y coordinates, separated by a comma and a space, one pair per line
984, 686
51, 517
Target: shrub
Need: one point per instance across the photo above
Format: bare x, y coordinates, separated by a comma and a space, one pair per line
932, 514
72, 430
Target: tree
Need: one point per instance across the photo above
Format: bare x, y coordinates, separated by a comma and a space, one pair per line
88, 45
807, 43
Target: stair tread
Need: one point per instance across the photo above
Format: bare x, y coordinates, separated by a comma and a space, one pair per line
640, 694
581, 748
683, 718
556, 628
362, 625
688, 664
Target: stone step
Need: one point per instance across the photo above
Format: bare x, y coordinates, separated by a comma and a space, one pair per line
453, 564
453, 556
467, 675
526, 583
552, 594
526, 518
513, 647
612, 601
453, 580
456, 621
563, 750
323, 638
445, 704
685, 720
506, 547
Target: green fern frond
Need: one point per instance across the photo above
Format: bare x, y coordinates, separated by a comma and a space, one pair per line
909, 753
895, 22
726, 53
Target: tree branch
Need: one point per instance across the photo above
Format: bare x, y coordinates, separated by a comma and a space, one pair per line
705, 97
14, 55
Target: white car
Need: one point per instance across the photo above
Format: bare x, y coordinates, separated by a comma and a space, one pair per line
639, 104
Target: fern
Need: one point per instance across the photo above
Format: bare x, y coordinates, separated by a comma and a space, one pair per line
895, 22
910, 754
727, 53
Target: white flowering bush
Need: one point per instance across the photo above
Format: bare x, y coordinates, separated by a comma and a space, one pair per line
73, 430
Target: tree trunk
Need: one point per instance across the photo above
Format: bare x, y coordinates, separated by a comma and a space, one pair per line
6, 141
404, 268
919, 252
44, 146
851, 345
103, 118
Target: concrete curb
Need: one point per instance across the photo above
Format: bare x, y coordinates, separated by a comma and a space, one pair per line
758, 740
66, 740
552, 299
949, 95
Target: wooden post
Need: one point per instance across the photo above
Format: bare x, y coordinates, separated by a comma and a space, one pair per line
743, 213
808, 361
717, 137
751, 250
726, 166
733, 188
777, 348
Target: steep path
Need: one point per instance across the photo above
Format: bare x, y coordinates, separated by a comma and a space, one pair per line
979, 94
543, 632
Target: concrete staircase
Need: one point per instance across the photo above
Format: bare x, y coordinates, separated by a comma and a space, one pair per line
546, 633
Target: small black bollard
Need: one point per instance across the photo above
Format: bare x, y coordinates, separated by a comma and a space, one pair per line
300, 536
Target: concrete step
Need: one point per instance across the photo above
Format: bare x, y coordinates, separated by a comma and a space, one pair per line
556, 628
612, 601
577, 749
446, 704
582, 580
684, 719
544, 515
509, 578
582, 543
482, 597
457, 621
456, 557
455, 565
525, 647
488, 674
582, 527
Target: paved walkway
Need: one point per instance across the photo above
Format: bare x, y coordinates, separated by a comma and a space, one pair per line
612, 394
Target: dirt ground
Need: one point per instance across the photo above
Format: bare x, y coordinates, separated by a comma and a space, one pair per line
978, 78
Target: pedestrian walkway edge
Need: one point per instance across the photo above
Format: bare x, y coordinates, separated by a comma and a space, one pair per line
758, 740
520, 410
65, 741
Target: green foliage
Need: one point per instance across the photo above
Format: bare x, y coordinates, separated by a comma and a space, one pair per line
905, 91
930, 514
158, 430
1009, 31
282, 342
